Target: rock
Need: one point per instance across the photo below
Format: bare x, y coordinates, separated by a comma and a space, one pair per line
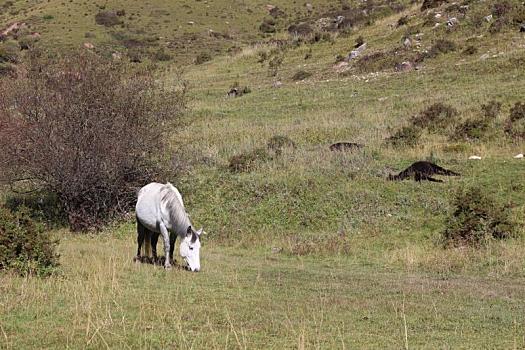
357, 52
488, 18
191, 23
404, 66
309, 7
270, 7
277, 84
116, 55
522, 28
484, 56
452, 21
518, 156
474, 158
89, 46
407, 43
437, 16
437, 25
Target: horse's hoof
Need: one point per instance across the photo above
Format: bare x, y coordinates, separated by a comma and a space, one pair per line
136, 259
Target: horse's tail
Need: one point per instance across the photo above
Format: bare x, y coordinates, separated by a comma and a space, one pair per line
147, 244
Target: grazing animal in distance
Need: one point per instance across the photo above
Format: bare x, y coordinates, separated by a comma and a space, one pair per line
422, 170
345, 146
160, 210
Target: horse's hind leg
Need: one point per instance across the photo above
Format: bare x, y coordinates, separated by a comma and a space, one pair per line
154, 240
141, 232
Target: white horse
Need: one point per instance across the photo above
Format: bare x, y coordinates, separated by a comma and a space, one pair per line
160, 209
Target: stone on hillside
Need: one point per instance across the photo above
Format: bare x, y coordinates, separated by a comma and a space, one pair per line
452, 21
309, 8
407, 43
405, 66
474, 158
89, 46
518, 156
355, 53
341, 67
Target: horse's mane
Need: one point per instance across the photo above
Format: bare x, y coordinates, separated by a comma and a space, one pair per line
171, 199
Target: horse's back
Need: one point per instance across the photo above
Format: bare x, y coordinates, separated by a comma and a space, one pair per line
147, 208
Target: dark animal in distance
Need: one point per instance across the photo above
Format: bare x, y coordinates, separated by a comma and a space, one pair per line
345, 146
422, 170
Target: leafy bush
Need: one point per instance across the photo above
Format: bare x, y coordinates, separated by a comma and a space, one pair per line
441, 46
278, 143
491, 109
471, 129
436, 116
9, 52
515, 124
247, 161
108, 18
202, 58
301, 75
406, 136
24, 245
88, 130
476, 218
267, 26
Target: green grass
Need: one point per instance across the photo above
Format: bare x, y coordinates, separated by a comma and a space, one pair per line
253, 299
310, 249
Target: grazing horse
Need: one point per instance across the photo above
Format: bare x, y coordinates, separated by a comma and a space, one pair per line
160, 209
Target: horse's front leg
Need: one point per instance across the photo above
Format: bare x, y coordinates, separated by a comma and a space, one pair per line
166, 236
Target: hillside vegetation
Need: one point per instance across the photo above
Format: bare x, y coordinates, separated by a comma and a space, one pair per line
309, 248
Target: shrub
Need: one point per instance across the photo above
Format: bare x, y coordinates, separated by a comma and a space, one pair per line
301, 75
9, 52
470, 50
402, 21
476, 218
108, 18
267, 26
24, 245
515, 125
472, 129
406, 136
278, 143
88, 129
161, 55
441, 46
247, 161
202, 58
436, 116
491, 109
429, 4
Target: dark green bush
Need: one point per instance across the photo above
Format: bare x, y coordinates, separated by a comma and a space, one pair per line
108, 18
202, 58
436, 116
406, 136
471, 129
247, 161
515, 124
477, 218
25, 247
278, 143
301, 75
491, 109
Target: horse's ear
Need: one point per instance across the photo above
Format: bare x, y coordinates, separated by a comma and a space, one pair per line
189, 231
199, 232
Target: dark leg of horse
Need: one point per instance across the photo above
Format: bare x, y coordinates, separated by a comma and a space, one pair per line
141, 232
154, 240
173, 238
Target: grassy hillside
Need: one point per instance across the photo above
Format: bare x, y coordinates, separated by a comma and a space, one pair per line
311, 248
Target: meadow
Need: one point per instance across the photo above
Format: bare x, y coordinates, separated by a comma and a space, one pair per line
309, 248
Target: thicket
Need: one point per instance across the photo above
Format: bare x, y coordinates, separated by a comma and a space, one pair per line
87, 130
25, 246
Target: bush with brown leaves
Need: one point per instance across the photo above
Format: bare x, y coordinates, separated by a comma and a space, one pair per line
86, 129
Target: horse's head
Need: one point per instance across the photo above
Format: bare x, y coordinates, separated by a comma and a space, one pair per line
190, 249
